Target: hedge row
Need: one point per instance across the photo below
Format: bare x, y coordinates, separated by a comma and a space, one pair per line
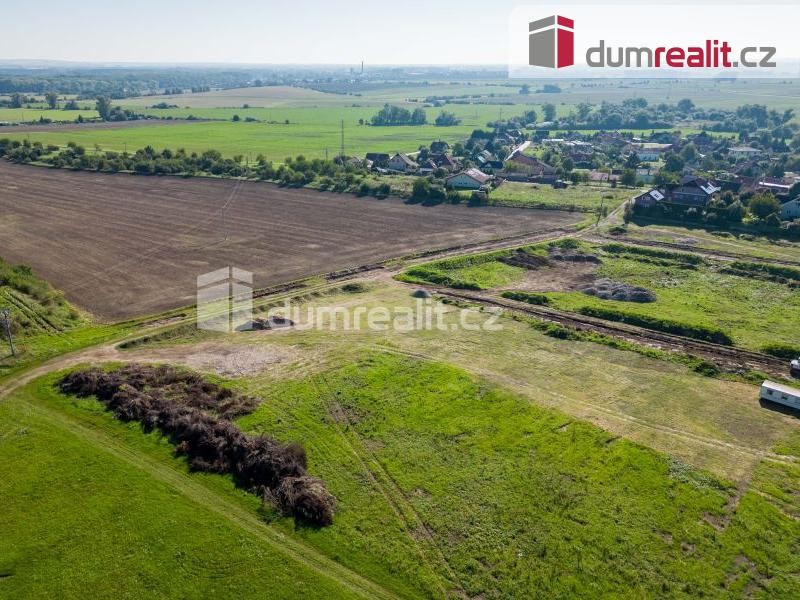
775, 272
699, 332
528, 297
681, 257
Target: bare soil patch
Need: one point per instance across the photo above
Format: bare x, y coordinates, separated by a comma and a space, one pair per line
123, 246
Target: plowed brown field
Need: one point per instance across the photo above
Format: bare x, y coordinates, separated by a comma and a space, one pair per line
122, 246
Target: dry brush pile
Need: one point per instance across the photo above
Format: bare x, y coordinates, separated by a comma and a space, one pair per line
196, 415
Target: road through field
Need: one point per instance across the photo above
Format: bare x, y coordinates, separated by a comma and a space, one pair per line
122, 246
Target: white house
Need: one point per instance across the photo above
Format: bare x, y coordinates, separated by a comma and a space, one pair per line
649, 151
791, 210
738, 152
402, 163
782, 394
471, 179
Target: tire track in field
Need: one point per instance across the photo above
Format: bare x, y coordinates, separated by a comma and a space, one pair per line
242, 518
391, 492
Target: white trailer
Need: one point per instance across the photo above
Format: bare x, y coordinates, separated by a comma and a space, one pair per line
781, 394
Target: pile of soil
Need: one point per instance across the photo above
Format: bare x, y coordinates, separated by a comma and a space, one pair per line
522, 259
273, 322
608, 289
567, 255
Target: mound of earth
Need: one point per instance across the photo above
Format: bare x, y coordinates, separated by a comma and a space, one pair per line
567, 255
608, 289
520, 258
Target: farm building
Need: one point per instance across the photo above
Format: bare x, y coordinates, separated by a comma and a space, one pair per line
781, 394
402, 163
471, 179
791, 210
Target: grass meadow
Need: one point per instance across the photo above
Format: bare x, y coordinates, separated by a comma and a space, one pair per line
447, 485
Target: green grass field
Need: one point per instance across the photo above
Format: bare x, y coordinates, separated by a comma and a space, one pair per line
17, 115
447, 485
582, 197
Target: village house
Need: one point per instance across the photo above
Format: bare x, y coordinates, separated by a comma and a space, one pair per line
648, 151
538, 170
743, 152
691, 192
402, 163
602, 177
791, 210
648, 199
439, 147
471, 179
378, 159
444, 161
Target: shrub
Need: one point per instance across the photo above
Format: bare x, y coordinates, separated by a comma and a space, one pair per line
528, 297
194, 414
700, 332
784, 351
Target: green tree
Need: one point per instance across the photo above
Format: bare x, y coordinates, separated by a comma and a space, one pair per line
628, 178
549, 111
673, 163
52, 99
103, 106
735, 212
763, 205
525, 90
584, 110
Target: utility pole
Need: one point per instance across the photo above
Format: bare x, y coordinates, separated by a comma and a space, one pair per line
6, 316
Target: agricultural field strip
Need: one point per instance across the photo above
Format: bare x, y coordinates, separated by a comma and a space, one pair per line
741, 357
298, 551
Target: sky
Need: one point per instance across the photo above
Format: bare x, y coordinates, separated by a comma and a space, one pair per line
270, 31
257, 31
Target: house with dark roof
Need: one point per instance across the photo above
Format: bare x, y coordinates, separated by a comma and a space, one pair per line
378, 159
691, 192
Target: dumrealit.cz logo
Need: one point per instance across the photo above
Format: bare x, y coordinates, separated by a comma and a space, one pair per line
551, 42
602, 40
